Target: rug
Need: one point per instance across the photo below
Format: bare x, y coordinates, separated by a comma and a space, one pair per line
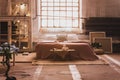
75, 62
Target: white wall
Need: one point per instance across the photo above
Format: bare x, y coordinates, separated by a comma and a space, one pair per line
34, 20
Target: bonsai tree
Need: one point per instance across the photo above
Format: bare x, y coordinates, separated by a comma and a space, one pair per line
6, 50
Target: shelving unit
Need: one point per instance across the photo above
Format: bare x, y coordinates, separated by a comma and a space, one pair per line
3, 32
15, 26
20, 35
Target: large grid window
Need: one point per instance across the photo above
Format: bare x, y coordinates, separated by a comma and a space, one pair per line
59, 13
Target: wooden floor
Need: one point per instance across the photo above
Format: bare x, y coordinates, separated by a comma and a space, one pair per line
24, 70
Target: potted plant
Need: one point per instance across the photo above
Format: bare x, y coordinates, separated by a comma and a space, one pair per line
96, 45
97, 48
7, 50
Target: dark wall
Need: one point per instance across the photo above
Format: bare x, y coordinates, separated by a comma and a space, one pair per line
102, 15
109, 25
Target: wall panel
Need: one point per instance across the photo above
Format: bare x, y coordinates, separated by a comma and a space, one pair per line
101, 8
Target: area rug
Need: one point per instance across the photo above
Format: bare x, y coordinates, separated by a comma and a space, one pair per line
75, 62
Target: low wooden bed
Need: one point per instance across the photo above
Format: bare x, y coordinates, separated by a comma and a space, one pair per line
82, 51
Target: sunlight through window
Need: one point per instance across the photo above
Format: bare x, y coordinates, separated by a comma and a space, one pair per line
58, 14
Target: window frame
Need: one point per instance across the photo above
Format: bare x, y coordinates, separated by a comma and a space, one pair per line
62, 9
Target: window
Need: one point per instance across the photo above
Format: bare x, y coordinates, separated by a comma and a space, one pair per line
59, 14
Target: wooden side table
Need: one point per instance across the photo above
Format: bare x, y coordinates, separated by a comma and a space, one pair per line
61, 53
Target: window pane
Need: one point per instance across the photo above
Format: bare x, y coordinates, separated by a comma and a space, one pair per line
44, 12
69, 23
69, 8
44, 4
44, 0
56, 4
56, 13
50, 4
59, 13
50, 23
50, 0
62, 0
69, 13
62, 8
62, 4
75, 23
44, 8
75, 0
56, 8
75, 8
44, 23
44, 17
56, 23
50, 8
62, 23
56, 0
75, 4
70, 0
69, 4
75, 14
50, 14
62, 13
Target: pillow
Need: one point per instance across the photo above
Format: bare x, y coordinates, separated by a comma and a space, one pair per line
61, 37
81, 41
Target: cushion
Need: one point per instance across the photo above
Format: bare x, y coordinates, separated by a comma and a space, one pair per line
61, 37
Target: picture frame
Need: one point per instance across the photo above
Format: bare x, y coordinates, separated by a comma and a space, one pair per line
106, 43
96, 34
